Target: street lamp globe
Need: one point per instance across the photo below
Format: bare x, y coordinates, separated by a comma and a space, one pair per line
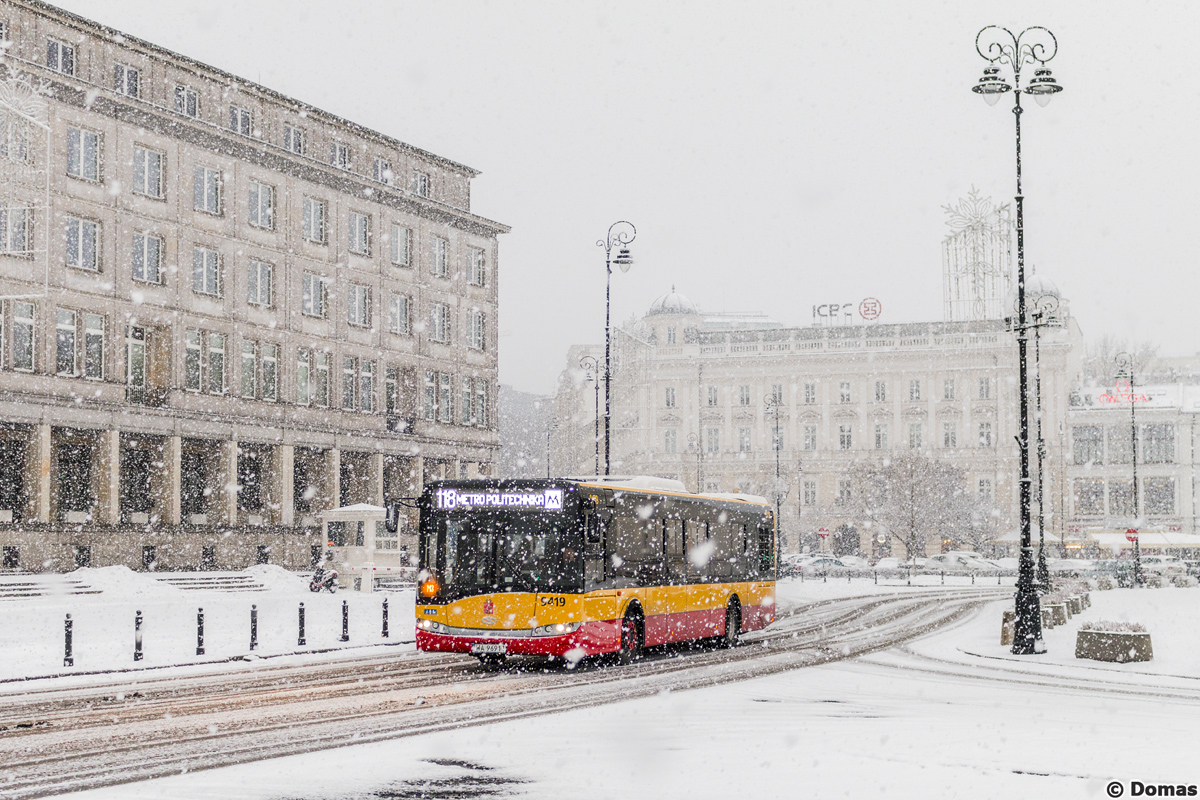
1043, 87
991, 85
624, 259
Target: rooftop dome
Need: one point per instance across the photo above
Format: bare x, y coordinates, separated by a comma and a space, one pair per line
673, 303
1036, 286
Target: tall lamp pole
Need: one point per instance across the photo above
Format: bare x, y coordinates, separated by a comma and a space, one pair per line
1045, 314
778, 490
552, 427
694, 442
619, 237
1125, 371
1033, 46
592, 367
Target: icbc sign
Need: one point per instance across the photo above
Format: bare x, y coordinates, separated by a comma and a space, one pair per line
843, 313
870, 309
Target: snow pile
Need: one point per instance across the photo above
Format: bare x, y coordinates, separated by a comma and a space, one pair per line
1108, 626
275, 577
124, 581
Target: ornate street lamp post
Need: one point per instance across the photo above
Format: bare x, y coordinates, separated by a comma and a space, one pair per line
1033, 46
550, 429
624, 260
694, 442
778, 491
1125, 372
1044, 314
592, 368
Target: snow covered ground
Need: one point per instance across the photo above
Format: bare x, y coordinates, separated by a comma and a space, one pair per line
948, 716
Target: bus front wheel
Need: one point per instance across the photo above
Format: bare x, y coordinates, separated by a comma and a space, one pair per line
733, 625
631, 641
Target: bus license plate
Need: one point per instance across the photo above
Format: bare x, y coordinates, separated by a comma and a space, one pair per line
499, 647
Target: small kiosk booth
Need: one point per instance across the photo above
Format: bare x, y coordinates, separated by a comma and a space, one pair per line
358, 545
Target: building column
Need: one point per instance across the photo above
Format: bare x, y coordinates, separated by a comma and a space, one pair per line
108, 459
282, 491
39, 489
416, 476
333, 479
170, 496
375, 479
225, 494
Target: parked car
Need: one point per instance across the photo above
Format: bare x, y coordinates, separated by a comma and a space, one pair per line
855, 562
1163, 565
1119, 569
1193, 568
957, 562
1073, 567
822, 565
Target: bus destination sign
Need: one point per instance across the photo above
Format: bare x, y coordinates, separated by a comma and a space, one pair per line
548, 500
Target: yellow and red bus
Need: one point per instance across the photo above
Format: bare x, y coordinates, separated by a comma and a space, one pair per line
571, 568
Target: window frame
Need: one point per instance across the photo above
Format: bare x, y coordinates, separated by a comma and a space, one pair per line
358, 298
78, 140
187, 101
122, 82
207, 190
140, 257
81, 225
207, 270
314, 226
60, 56
255, 270
142, 164
260, 205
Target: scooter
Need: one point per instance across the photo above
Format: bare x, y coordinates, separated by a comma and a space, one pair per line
323, 579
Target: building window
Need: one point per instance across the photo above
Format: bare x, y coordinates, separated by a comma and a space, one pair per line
743, 395
83, 154
206, 190
430, 396
83, 238
206, 271
360, 234
14, 231
439, 323
240, 120
249, 370
381, 171
445, 403
1089, 497
985, 388
844, 392
314, 299
93, 346
358, 305
810, 438
314, 220
339, 155
1120, 498
439, 251
349, 382
914, 390
1158, 444
391, 391
810, 393
468, 401
670, 441
303, 377
65, 346
712, 397
714, 441
147, 258
481, 403
420, 184
258, 283
914, 436
22, 336
843, 492
880, 391
60, 57
320, 393
669, 397
1088, 442
881, 438
187, 102
810, 493
985, 489
985, 434
476, 273
1120, 444
671, 338
401, 245
293, 139
845, 437
135, 362
475, 330
949, 435
743, 440
1159, 494
270, 372
125, 80
262, 205
366, 386
191, 361
147, 172
399, 321
777, 394
216, 363
948, 389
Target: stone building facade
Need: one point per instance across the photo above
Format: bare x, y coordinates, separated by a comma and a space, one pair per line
698, 397
223, 310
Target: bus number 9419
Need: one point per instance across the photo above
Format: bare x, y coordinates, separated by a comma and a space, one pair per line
559, 602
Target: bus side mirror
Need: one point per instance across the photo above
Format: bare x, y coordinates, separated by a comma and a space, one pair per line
392, 521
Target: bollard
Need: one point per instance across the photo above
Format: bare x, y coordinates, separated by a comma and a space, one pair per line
385, 619
300, 639
345, 621
825, 576
68, 650
997, 578
253, 627
199, 631
876, 577
847, 576
137, 635
972, 577
943, 577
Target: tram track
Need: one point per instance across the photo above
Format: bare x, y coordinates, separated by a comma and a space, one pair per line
62, 740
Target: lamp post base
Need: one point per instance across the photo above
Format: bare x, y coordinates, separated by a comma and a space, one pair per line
1027, 633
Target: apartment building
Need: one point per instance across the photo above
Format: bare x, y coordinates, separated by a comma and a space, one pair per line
223, 310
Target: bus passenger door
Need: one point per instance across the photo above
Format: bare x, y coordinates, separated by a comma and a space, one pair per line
594, 566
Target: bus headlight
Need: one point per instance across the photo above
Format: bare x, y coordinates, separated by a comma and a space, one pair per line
558, 629
432, 626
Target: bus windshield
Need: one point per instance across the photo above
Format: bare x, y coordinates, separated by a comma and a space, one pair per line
505, 551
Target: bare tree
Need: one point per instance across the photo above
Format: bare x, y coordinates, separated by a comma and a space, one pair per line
1100, 355
909, 498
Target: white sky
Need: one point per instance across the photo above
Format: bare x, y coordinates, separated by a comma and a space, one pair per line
772, 155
